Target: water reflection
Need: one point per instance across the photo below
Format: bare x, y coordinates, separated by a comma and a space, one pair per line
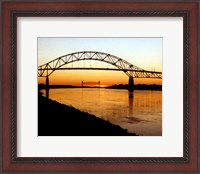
131, 100
47, 92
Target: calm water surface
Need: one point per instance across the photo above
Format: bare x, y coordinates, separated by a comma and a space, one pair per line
139, 111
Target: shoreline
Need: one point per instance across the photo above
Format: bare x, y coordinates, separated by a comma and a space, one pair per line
56, 119
119, 86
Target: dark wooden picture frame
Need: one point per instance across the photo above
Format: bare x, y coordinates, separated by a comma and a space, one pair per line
13, 9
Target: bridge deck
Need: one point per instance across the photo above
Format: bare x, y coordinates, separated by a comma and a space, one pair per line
109, 69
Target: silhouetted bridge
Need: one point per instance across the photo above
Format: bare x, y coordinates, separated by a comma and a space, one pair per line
118, 64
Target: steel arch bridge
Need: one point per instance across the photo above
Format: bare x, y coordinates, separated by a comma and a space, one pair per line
119, 64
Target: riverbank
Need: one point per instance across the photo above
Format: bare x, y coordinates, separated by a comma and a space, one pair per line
116, 86
56, 119
137, 87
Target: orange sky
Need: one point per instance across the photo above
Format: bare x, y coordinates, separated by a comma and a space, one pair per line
76, 77
145, 53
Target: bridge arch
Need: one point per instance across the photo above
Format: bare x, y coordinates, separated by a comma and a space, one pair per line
121, 64
129, 69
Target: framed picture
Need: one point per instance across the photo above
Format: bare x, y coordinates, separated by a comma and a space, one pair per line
100, 86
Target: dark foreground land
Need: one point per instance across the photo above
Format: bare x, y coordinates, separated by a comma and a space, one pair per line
55, 119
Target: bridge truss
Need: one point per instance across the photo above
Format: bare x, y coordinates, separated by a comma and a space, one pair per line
119, 64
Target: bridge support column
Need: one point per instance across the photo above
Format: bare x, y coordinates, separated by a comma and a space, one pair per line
47, 87
131, 84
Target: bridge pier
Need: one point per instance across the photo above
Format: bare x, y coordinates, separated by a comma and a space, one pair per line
131, 84
47, 86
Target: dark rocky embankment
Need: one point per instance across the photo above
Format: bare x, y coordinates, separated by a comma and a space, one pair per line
55, 119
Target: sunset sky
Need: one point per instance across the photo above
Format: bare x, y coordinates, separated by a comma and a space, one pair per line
145, 53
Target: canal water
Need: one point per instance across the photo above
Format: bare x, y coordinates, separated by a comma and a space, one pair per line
139, 112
